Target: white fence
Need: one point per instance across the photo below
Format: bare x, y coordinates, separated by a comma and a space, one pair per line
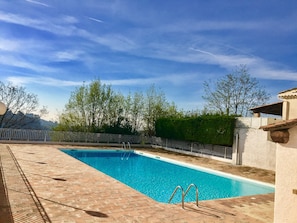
59, 136
194, 148
44, 136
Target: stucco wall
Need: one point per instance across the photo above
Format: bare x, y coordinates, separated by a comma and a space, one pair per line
252, 148
292, 109
286, 180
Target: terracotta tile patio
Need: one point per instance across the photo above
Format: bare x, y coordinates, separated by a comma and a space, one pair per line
43, 184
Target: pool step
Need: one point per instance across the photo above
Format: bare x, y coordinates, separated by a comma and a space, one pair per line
184, 194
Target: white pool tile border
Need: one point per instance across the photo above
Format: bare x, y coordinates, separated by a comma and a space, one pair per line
204, 169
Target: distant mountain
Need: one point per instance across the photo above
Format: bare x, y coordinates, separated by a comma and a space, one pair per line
48, 125
20, 120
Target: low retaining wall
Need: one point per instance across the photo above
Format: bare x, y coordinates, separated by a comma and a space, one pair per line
252, 146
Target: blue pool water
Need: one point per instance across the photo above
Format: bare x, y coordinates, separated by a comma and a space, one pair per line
158, 179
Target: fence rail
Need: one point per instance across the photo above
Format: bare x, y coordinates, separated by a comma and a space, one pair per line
59, 136
87, 137
194, 148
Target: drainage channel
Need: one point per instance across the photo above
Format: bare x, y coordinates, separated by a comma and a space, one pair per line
5, 210
21, 198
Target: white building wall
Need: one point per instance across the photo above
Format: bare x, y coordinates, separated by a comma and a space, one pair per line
251, 146
289, 109
285, 205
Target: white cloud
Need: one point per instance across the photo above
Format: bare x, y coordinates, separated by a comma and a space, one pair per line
69, 19
64, 56
18, 62
213, 54
190, 26
59, 26
40, 80
96, 20
258, 67
116, 42
269, 72
21, 20
172, 79
140, 43
64, 26
9, 45
37, 3
203, 52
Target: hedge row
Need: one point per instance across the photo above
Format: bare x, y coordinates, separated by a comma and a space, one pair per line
205, 129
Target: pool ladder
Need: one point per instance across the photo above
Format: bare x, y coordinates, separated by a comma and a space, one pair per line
124, 147
184, 194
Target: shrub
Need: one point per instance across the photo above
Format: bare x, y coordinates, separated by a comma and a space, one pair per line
205, 129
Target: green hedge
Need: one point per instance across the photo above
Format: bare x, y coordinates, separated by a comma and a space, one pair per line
205, 129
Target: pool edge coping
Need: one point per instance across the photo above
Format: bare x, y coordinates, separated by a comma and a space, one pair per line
205, 169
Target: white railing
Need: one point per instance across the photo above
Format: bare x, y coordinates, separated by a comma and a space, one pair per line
59, 136
194, 148
106, 138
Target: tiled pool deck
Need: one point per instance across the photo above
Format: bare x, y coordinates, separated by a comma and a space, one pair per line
45, 185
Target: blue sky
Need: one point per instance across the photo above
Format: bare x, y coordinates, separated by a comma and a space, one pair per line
53, 46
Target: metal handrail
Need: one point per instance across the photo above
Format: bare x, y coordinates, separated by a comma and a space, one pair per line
196, 190
125, 148
174, 192
129, 146
184, 194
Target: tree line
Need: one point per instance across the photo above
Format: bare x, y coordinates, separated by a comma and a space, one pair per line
97, 107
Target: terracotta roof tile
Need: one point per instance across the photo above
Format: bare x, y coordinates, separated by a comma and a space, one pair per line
288, 94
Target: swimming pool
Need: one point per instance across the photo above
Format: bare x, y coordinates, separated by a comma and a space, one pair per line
157, 177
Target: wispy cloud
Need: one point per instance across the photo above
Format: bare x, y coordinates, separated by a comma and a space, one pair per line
117, 42
64, 26
37, 3
214, 54
210, 25
203, 52
34, 55
21, 20
226, 60
258, 67
96, 20
273, 73
69, 55
20, 63
131, 46
9, 45
172, 79
45, 81
69, 19
59, 26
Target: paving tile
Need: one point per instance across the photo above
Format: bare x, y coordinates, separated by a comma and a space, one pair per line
71, 191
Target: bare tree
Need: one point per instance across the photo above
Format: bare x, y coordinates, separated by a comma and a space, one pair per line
235, 93
20, 106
